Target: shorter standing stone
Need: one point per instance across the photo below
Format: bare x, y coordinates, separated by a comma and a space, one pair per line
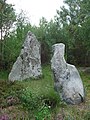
28, 64
66, 77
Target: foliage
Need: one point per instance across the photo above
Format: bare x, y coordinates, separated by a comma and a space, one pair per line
15, 40
4, 117
29, 100
34, 105
70, 26
7, 18
75, 18
43, 113
37, 97
38, 100
87, 116
7, 15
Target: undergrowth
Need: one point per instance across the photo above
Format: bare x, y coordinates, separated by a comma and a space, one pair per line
37, 99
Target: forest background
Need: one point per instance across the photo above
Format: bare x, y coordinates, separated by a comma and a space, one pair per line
71, 26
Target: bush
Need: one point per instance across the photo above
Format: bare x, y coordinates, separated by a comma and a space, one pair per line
43, 113
29, 100
34, 104
87, 116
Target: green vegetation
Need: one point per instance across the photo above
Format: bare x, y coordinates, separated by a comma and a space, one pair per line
69, 26
37, 99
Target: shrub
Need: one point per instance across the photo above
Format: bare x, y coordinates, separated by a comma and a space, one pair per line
34, 104
43, 113
29, 100
87, 116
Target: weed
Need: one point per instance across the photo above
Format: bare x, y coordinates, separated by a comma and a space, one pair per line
29, 100
87, 116
43, 113
39, 99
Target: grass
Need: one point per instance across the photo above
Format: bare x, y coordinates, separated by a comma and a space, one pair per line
40, 99
3, 75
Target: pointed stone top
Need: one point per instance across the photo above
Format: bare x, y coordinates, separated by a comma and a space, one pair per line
28, 63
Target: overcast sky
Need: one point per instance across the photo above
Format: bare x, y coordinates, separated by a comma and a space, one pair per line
35, 9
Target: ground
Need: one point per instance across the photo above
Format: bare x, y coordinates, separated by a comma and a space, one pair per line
37, 100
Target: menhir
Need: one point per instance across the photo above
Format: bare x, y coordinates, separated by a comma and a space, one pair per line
28, 64
67, 80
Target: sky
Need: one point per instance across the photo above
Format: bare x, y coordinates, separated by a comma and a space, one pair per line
36, 9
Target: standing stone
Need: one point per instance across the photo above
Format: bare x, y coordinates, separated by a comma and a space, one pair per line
66, 77
28, 64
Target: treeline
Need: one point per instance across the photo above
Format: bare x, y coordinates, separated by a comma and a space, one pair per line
71, 26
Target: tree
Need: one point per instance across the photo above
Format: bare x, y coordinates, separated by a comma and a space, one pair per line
7, 18
75, 19
15, 39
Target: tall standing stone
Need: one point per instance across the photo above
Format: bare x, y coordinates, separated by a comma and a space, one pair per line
66, 77
28, 64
